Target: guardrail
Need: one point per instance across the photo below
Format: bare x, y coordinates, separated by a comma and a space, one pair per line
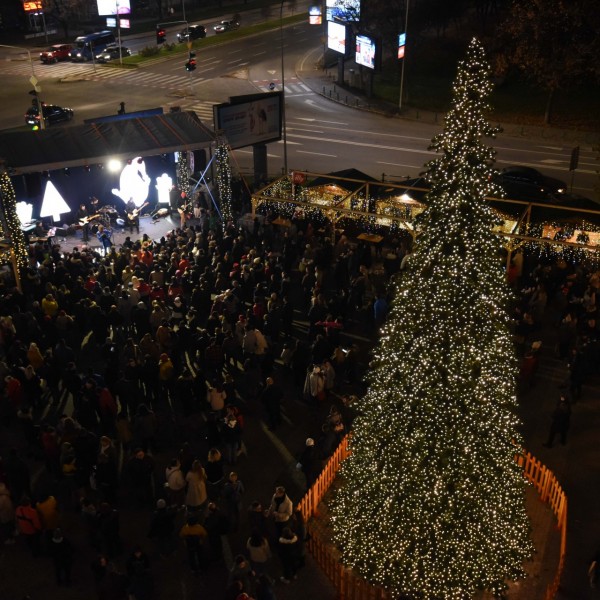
351, 586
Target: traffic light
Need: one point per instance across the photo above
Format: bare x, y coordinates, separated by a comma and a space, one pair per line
34, 101
190, 65
161, 35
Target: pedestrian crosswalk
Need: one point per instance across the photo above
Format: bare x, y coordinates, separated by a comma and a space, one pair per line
89, 72
293, 86
204, 110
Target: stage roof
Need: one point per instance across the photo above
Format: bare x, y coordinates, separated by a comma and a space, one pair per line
93, 143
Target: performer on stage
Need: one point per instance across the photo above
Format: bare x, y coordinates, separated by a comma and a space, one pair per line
182, 208
104, 234
132, 216
82, 216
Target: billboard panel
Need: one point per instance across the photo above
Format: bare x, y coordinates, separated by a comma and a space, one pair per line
113, 7
366, 50
345, 11
336, 37
315, 16
256, 120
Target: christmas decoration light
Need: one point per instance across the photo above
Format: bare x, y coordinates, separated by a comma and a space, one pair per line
431, 502
183, 173
10, 225
224, 183
53, 204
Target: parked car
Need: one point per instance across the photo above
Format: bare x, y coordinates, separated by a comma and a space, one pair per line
193, 32
526, 183
224, 26
56, 53
52, 114
112, 53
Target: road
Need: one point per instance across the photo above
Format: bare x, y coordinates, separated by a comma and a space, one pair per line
322, 136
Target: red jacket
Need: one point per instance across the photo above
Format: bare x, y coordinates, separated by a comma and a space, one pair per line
28, 520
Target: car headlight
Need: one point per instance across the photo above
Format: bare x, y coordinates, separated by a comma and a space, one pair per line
561, 191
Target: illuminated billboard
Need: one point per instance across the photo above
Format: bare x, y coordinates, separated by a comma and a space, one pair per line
345, 11
366, 51
249, 120
113, 7
336, 37
315, 16
34, 6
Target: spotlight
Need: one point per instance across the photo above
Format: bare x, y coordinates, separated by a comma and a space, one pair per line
87, 168
66, 171
115, 165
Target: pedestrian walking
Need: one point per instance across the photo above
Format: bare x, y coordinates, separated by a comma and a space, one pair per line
29, 525
194, 535
280, 510
288, 553
233, 490
196, 495
561, 419
61, 551
259, 551
162, 528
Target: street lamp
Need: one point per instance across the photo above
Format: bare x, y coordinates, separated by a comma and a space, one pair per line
285, 157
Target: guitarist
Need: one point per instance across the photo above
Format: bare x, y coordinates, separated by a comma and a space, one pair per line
183, 208
132, 216
83, 215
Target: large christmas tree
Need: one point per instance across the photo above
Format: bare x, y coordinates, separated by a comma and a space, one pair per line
431, 503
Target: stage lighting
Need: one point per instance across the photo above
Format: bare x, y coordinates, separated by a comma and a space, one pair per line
114, 165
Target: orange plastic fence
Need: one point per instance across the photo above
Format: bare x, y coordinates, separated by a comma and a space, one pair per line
351, 587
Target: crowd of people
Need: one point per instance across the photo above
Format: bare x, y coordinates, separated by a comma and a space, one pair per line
158, 353
128, 380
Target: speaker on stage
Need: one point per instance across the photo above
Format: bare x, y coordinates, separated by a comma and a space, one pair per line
61, 232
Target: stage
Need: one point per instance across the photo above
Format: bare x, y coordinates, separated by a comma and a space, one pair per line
154, 229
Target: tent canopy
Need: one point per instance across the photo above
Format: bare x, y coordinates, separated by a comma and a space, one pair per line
92, 143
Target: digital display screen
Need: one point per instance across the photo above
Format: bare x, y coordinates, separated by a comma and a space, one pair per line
315, 15
113, 7
345, 11
365, 51
336, 37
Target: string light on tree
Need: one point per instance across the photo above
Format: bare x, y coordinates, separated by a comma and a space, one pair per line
224, 182
10, 225
183, 174
432, 504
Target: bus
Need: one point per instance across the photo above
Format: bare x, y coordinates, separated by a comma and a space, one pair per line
94, 43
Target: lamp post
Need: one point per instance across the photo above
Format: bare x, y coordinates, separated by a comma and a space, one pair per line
403, 58
32, 80
285, 157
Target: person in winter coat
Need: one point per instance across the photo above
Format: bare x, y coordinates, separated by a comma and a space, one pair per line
194, 535
140, 470
281, 509
258, 551
271, 398
61, 551
162, 527
196, 494
7, 516
242, 571
29, 525
561, 419
233, 490
309, 462
288, 553
175, 483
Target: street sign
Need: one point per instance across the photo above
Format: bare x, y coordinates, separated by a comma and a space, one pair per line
33, 80
189, 45
298, 177
574, 159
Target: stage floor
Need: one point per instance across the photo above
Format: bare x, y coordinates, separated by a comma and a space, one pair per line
154, 229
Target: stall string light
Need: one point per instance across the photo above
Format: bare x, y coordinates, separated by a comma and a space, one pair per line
14, 234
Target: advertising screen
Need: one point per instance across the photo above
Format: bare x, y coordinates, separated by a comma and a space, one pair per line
365, 51
315, 15
401, 45
336, 37
113, 7
345, 11
255, 121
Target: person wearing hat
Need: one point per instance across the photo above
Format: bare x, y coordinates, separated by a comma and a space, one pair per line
61, 552
309, 462
162, 527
